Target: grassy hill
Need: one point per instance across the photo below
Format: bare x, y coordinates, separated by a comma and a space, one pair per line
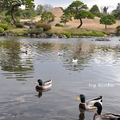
88, 24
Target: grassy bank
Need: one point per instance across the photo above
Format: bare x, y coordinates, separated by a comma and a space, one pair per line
74, 31
60, 30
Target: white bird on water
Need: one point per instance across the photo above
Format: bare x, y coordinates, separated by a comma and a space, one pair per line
75, 60
60, 53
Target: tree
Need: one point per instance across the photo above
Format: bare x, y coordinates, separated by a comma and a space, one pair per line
116, 12
13, 5
105, 10
47, 7
118, 28
78, 10
95, 10
107, 20
117, 15
117, 9
39, 10
28, 13
65, 18
47, 17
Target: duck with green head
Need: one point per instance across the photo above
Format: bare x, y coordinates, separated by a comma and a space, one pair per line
106, 116
44, 86
86, 105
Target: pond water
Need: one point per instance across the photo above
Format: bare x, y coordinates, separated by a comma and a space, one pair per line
24, 60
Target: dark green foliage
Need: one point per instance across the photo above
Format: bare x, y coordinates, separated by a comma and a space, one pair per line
4, 26
107, 20
84, 14
118, 28
95, 10
75, 7
79, 11
66, 18
45, 26
100, 15
117, 15
28, 13
19, 25
58, 25
13, 6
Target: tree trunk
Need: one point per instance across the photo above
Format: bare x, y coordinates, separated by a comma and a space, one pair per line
65, 25
80, 23
12, 11
105, 27
13, 19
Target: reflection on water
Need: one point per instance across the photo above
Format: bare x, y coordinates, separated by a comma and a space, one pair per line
14, 60
17, 57
27, 59
40, 92
82, 116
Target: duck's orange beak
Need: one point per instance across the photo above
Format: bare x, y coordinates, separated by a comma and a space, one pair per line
78, 98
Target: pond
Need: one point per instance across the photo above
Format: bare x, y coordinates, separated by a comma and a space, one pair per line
25, 60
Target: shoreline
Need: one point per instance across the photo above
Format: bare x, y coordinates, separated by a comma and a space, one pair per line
55, 35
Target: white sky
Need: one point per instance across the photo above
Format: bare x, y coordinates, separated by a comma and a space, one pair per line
64, 3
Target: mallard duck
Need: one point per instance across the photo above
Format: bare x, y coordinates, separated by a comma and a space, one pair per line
106, 116
86, 105
24, 52
43, 86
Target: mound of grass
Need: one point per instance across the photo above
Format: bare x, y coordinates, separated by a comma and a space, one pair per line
76, 32
1, 30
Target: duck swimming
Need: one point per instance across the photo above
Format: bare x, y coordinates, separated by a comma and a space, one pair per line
86, 105
106, 116
43, 86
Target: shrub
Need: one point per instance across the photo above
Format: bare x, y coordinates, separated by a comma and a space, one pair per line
68, 35
4, 26
1, 30
45, 26
7, 20
19, 25
118, 28
58, 25
35, 31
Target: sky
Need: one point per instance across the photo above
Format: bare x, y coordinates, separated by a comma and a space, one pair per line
65, 3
